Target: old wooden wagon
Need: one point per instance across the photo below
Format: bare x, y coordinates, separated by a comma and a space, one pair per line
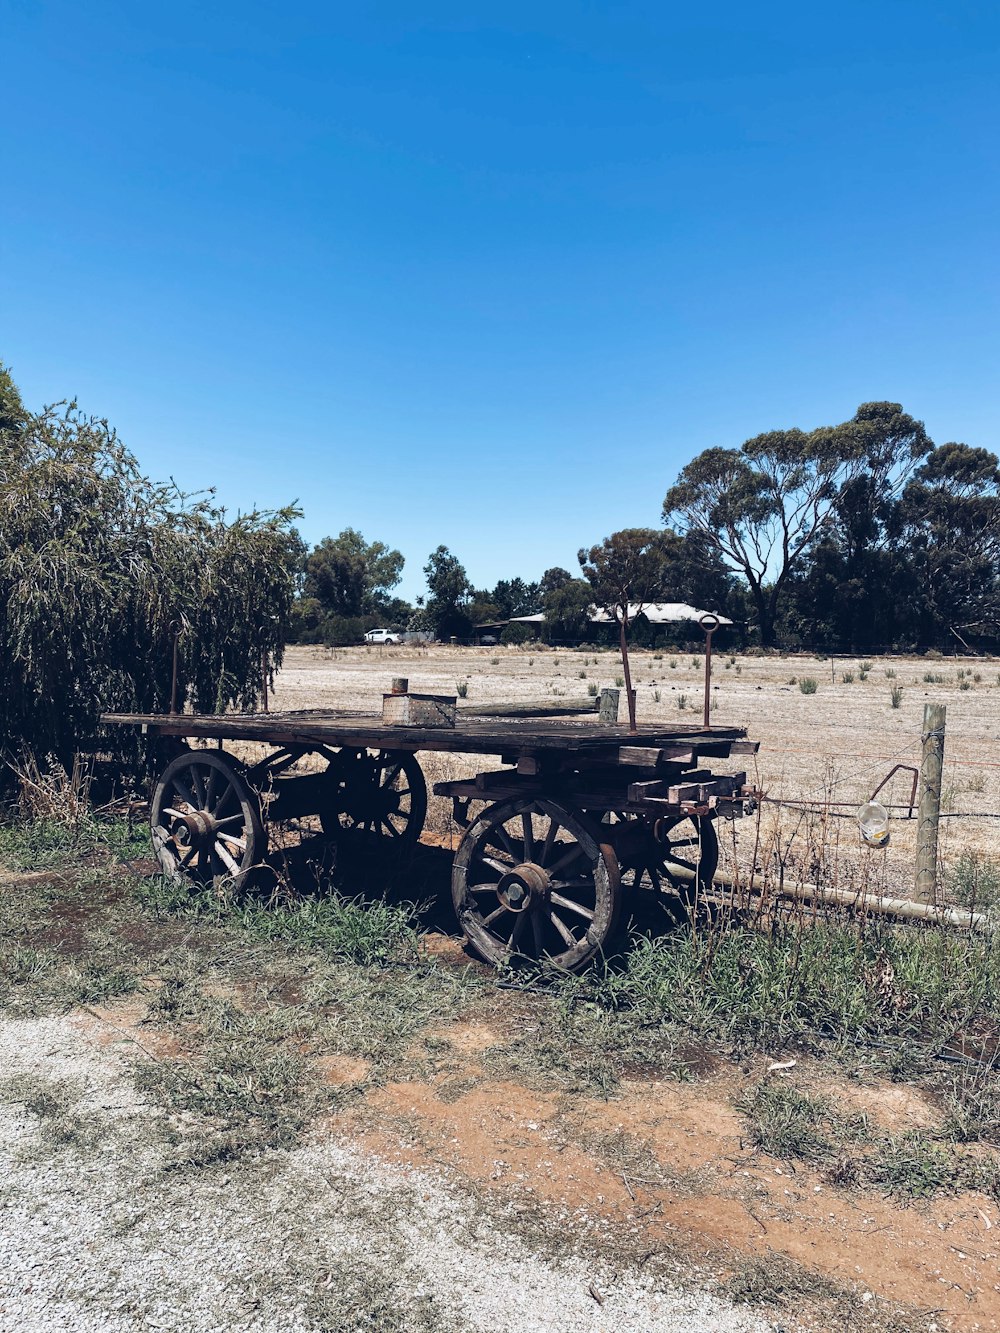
581, 813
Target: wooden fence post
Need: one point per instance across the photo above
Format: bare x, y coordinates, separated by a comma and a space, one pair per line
929, 813
609, 706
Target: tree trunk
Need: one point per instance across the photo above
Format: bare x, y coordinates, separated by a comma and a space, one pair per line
629, 695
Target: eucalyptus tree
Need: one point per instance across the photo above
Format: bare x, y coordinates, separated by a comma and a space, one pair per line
626, 571
764, 505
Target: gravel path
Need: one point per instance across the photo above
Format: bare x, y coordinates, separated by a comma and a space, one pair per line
101, 1233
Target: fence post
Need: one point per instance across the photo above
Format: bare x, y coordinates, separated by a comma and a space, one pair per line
609, 706
929, 813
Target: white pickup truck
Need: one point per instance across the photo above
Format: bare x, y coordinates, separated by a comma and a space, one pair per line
383, 636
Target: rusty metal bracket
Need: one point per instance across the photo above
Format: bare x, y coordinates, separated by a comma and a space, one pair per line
460, 811
905, 768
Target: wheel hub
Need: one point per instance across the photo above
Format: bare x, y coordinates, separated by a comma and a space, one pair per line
525, 886
194, 828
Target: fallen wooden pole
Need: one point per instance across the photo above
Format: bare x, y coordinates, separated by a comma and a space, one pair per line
904, 908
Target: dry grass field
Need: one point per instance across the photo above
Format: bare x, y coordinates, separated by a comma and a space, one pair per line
828, 747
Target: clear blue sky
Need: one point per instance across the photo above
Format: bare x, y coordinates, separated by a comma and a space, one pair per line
488, 275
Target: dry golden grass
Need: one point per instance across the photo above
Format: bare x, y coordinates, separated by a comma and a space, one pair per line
835, 745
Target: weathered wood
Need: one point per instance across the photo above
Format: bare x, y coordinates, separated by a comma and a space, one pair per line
645, 756
418, 710
638, 791
702, 786
564, 740
566, 708
929, 813
608, 709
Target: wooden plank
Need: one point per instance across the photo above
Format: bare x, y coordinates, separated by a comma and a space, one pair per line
744, 747
567, 708
650, 756
638, 791
708, 787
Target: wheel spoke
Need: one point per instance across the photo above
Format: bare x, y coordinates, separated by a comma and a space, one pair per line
224, 799
500, 833
501, 867
550, 838
560, 925
186, 793
536, 933
570, 906
518, 931
566, 859
232, 839
213, 774
528, 832
198, 785
497, 912
225, 858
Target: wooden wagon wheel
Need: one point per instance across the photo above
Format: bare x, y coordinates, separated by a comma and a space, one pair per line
531, 880
205, 820
381, 793
678, 854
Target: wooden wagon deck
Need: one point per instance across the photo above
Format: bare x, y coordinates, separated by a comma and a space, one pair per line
471, 734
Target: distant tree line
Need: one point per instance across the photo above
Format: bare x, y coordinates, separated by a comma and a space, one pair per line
857, 536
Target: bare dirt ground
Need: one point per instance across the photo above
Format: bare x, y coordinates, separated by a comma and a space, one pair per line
454, 1199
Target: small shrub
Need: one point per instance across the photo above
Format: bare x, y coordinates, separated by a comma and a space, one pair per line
847, 677
975, 882
515, 634
932, 655
462, 688
807, 685
890, 673
896, 695
592, 688
865, 667
977, 676
656, 696
672, 664
682, 701
619, 681
965, 684
582, 675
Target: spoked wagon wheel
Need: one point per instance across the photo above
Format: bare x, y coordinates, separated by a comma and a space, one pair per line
532, 881
676, 854
205, 821
380, 793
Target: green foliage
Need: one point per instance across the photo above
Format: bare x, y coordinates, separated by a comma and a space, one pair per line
350, 577
99, 567
516, 633
449, 589
896, 696
462, 688
808, 685
567, 606
860, 533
